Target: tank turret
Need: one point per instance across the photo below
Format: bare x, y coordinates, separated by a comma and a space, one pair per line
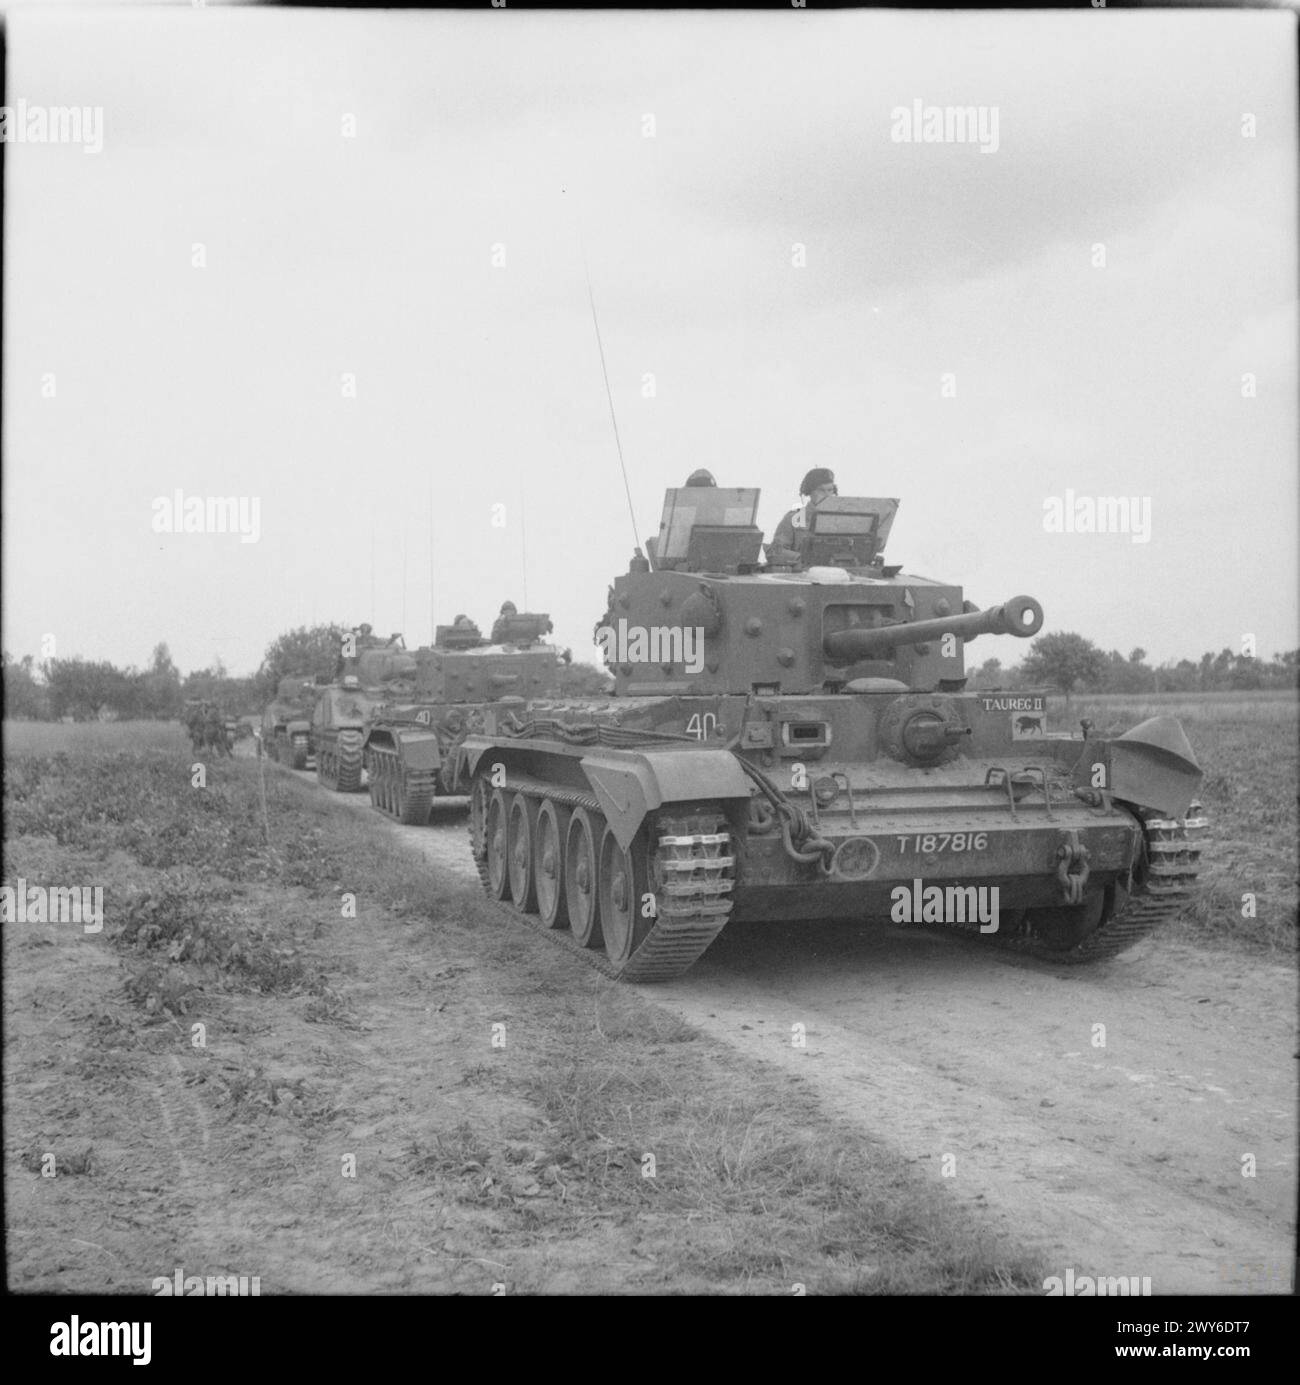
710, 617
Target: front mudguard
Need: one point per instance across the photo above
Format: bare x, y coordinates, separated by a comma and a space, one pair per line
1152, 766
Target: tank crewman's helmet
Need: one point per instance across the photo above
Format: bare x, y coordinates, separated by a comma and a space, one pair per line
508, 608
701, 478
818, 476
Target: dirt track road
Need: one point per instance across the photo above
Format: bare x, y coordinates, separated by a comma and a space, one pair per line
1124, 1160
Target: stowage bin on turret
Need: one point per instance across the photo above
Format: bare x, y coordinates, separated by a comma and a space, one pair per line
795, 740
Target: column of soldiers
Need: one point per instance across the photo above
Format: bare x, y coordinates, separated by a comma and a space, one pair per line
206, 726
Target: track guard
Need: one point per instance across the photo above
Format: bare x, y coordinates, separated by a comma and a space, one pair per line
631, 785
1152, 765
420, 749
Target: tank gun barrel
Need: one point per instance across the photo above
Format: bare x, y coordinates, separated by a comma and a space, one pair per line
1022, 616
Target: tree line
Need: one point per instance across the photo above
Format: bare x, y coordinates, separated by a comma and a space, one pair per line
1071, 663
89, 690
86, 690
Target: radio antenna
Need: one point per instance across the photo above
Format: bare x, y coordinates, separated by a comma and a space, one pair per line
609, 394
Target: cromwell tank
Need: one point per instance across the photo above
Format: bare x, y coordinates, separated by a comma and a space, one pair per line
286, 722
372, 670
796, 741
409, 748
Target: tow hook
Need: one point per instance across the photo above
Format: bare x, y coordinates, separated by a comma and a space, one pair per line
1072, 867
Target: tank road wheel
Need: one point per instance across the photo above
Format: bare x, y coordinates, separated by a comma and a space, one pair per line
413, 790
580, 877
479, 796
624, 880
498, 872
519, 852
548, 864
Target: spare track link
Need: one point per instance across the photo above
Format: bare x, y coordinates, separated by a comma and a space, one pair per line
1173, 848
691, 915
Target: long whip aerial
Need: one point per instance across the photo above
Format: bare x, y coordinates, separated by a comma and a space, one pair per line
609, 394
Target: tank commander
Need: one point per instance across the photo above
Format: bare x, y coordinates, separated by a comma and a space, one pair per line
501, 626
701, 478
791, 537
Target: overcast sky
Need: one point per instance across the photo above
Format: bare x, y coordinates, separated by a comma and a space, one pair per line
328, 253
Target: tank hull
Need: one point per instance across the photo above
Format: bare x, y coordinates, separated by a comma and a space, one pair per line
952, 809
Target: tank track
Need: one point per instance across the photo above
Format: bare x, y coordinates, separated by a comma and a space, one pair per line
1173, 852
695, 905
339, 766
404, 795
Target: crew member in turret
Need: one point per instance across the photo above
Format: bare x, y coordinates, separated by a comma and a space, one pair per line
501, 626
792, 533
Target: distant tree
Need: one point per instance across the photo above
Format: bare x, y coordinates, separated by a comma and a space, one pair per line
1064, 660
311, 651
159, 690
83, 689
25, 698
235, 696
1121, 675
988, 675
1181, 677
584, 680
